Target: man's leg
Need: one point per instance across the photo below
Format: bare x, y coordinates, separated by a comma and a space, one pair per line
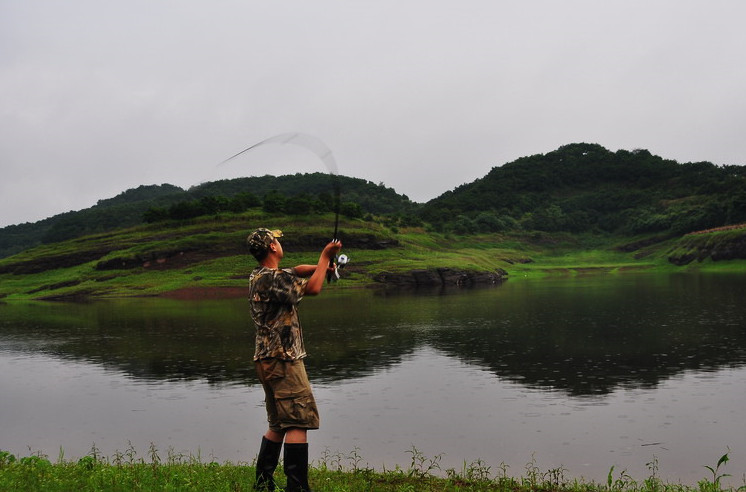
266, 462
294, 408
275, 436
296, 460
296, 435
271, 447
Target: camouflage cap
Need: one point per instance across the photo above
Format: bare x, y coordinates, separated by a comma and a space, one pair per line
259, 241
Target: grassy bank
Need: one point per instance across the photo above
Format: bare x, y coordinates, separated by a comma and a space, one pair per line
334, 473
209, 253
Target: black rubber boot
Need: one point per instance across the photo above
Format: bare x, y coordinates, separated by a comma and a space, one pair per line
296, 467
266, 462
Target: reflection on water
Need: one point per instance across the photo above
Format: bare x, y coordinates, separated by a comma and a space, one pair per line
585, 336
547, 354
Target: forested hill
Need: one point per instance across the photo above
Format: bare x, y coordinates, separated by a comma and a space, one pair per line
585, 187
299, 193
124, 210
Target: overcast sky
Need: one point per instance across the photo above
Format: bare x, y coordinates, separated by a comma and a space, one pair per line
421, 95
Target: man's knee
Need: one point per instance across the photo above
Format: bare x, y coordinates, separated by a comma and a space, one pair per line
295, 435
274, 436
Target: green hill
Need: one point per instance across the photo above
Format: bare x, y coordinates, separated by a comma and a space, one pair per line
586, 188
159, 202
577, 188
576, 210
124, 210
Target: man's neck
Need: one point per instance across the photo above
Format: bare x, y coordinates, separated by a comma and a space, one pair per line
271, 262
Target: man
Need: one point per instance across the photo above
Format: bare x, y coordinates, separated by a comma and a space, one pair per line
274, 294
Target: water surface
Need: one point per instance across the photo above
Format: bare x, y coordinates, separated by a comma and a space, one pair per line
578, 373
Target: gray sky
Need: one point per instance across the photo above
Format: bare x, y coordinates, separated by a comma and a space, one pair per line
422, 95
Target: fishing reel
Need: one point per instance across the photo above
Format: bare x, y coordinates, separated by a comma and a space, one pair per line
339, 263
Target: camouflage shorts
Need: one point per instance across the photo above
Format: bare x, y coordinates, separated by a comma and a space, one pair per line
289, 400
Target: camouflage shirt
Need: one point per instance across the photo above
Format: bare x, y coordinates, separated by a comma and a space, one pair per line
274, 296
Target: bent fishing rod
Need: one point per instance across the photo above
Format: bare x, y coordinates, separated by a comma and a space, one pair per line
323, 152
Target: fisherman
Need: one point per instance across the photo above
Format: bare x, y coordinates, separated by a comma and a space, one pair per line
274, 294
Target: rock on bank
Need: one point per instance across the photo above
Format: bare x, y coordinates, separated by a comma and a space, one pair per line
441, 277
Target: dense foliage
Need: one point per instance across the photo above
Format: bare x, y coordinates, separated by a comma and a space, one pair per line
585, 187
299, 194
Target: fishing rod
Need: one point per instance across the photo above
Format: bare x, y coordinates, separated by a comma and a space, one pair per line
323, 152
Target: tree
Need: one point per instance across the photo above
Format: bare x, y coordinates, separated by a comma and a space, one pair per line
463, 225
244, 201
274, 201
155, 214
488, 222
299, 204
184, 210
351, 210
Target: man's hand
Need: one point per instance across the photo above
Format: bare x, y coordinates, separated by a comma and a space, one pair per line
316, 282
331, 249
331, 271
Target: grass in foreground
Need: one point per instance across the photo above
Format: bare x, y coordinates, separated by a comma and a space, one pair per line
335, 473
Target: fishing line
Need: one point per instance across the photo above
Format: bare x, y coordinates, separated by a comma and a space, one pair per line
316, 146
302, 140
323, 152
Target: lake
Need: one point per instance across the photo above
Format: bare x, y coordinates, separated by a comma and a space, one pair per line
643, 372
